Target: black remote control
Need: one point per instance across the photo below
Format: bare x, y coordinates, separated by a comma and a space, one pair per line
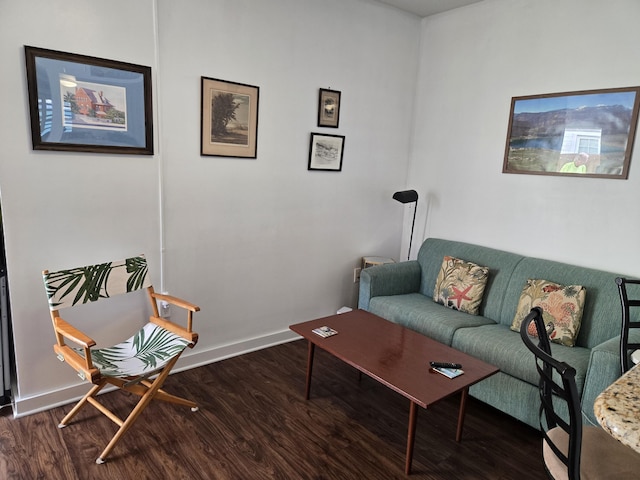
445, 365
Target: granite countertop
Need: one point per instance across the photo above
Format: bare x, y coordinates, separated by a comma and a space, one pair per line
617, 408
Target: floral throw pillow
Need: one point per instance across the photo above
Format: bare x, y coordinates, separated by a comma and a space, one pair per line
460, 285
562, 307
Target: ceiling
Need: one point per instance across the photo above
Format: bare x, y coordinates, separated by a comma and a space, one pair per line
424, 8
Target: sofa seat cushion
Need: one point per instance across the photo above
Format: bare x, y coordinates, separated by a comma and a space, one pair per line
500, 346
420, 313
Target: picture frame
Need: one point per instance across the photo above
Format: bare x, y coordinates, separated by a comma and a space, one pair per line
229, 119
329, 108
326, 152
587, 133
88, 104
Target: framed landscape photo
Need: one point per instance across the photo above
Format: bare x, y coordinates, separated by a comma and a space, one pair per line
229, 119
586, 133
325, 152
329, 108
87, 104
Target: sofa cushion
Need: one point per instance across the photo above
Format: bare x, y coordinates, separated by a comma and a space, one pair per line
602, 303
420, 313
498, 345
460, 285
561, 305
501, 265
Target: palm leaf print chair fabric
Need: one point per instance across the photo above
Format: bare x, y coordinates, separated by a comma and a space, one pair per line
132, 364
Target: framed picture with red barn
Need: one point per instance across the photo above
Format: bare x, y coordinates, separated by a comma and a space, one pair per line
87, 104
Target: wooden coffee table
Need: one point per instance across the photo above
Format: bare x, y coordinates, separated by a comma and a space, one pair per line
398, 358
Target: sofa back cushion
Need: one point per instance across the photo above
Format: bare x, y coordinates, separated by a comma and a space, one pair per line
460, 285
562, 307
501, 265
600, 318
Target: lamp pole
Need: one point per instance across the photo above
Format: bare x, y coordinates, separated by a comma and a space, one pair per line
413, 224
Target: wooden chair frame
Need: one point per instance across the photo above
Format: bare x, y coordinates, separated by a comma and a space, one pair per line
141, 385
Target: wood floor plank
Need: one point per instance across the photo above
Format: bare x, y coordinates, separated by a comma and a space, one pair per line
254, 423
33, 450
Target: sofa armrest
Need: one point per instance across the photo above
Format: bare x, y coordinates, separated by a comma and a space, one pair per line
603, 370
389, 279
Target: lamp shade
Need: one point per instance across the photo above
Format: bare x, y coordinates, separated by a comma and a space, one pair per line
406, 196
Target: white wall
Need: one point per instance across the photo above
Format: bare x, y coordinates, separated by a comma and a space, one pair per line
266, 242
66, 209
258, 244
472, 61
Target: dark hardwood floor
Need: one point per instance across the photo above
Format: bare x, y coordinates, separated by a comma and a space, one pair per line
254, 423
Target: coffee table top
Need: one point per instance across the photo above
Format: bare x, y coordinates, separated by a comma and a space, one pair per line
394, 355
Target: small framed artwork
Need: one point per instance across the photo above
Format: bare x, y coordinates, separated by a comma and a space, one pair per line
586, 133
325, 152
329, 108
87, 104
229, 119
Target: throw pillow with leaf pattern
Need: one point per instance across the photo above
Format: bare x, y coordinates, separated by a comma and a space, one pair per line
460, 285
562, 307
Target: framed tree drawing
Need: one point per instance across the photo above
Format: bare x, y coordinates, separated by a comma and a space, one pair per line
88, 104
586, 133
329, 108
229, 119
325, 152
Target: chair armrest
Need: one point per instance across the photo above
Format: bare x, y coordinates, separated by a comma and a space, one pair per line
177, 329
389, 279
70, 332
83, 365
173, 326
176, 301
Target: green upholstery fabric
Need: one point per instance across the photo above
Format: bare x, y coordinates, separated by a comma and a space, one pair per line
510, 395
388, 279
603, 370
417, 312
497, 345
403, 292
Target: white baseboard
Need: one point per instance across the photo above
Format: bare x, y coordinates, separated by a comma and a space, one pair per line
190, 359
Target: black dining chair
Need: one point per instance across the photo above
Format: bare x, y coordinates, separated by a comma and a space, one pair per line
629, 288
571, 450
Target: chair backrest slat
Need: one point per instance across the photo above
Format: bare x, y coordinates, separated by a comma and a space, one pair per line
66, 288
629, 321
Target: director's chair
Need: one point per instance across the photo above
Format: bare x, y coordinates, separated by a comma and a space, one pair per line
132, 364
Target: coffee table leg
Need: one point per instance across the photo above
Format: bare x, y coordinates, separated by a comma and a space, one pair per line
463, 406
413, 416
312, 348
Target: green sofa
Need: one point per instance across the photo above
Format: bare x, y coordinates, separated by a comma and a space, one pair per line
402, 292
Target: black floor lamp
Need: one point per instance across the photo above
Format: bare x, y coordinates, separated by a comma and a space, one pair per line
408, 196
